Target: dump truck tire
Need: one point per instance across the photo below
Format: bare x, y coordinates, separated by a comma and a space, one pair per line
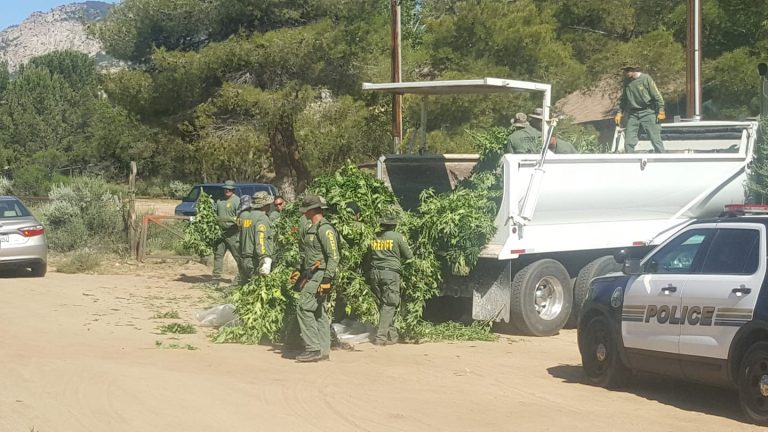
599, 267
541, 298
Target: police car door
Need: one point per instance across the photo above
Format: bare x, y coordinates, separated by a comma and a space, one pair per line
652, 297
721, 298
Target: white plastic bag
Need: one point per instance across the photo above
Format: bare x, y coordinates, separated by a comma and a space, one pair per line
218, 316
353, 332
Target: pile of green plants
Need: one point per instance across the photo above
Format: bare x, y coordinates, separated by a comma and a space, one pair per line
446, 234
201, 232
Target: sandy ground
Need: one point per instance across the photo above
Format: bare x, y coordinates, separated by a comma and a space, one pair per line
80, 353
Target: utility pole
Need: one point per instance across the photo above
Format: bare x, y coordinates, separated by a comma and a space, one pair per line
762, 70
693, 51
397, 107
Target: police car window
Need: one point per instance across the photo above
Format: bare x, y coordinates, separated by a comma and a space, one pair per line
733, 251
679, 256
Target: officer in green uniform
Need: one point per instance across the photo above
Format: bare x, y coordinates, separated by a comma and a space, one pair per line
387, 252
293, 344
226, 215
277, 206
525, 139
320, 260
256, 237
641, 107
556, 144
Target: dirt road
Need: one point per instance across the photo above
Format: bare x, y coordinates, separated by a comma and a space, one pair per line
80, 353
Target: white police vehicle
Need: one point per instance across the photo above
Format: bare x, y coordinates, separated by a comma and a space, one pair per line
695, 307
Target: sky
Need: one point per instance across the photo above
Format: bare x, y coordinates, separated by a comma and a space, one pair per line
15, 11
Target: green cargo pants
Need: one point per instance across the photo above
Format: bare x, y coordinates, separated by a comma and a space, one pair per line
644, 120
229, 241
386, 287
313, 320
248, 264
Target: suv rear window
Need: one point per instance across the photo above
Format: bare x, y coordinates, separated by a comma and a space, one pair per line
12, 209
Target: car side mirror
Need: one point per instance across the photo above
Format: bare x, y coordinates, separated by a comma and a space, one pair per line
621, 256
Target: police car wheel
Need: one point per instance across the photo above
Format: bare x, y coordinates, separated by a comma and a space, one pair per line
600, 355
541, 298
753, 384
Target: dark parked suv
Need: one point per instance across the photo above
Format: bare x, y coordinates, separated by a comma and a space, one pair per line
188, 206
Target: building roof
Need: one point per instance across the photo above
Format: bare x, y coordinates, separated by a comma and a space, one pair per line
591, 104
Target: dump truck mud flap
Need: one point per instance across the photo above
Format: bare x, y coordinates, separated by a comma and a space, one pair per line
490, 284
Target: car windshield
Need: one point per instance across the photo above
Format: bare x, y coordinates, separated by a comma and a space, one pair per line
12, 209
214, 191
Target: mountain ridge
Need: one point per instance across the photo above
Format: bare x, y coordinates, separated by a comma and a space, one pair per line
61, 28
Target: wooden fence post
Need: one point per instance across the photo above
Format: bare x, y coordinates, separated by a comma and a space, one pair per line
133, 227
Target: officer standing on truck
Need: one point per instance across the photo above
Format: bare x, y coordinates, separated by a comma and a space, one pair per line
556, 144
256, 237
641, 107
226, 215
320, 260
524, 139
386, 254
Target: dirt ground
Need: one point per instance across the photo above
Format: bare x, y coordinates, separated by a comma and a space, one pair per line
83, 353
157, 206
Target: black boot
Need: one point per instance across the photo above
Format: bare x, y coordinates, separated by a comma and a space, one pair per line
309, 356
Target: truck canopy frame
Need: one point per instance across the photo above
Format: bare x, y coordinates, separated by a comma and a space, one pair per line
465, 87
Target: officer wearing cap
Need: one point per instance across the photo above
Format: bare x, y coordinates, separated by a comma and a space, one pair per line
256, 237
226, 216
524, 139
320, 259
386, 254
556, 144
641, 107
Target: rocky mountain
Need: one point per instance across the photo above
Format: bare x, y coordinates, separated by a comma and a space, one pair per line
61, 28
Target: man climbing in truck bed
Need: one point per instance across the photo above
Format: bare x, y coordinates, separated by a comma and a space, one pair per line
641, 107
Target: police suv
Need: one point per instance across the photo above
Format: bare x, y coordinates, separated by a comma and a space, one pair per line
695, 307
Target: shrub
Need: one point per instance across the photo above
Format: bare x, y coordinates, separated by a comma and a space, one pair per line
82, 261
82, 213
177, 189
5, 186
31, 180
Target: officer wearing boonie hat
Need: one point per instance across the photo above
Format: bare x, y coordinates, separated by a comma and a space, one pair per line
256, 237
556, 144
226, 216
320, 259
524, 139
386, 254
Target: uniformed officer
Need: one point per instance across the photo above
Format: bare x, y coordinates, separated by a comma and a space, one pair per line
641, 107
292, 343
277, 207
387, 252
556, 144
524, 139
320, 260
256, 237
226, 215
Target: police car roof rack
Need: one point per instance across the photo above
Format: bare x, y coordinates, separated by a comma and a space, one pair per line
733, 210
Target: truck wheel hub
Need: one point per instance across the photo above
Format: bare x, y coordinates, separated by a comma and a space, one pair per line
548, 298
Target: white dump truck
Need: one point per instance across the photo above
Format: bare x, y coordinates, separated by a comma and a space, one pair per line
563, 216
